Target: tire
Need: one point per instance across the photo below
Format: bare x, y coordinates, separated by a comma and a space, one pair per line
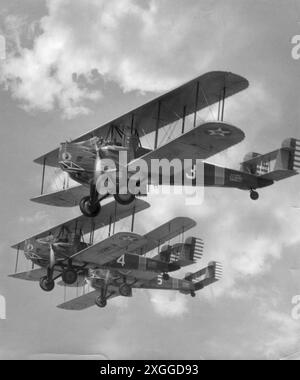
166, 277
87, 209
46, 284
101, 302
125, 290
254, 195
124, 199
69, 276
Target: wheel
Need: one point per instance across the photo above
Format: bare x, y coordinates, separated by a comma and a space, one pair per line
193, 294
87, 209
254, 195
124, 199
46, 284
166, 277
69, 276
101, 302
125, 290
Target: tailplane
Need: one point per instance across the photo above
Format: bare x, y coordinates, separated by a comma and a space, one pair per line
277, 165
183, 254
206, 276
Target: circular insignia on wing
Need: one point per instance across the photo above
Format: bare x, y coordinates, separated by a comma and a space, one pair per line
66, 156
29, 247
218, 132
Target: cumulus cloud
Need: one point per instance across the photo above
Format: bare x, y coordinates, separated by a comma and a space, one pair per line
169, 304
144, 45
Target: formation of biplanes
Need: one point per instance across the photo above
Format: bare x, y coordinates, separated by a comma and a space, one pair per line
113, 267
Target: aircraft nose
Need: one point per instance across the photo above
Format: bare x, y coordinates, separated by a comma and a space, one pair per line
65, 152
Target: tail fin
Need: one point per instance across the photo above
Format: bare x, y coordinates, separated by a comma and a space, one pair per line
183, 253
207, 276
276, 165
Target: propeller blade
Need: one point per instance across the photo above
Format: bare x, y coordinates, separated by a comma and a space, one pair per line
97, 163
52, 257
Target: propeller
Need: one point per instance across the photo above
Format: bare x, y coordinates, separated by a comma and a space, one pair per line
53, 243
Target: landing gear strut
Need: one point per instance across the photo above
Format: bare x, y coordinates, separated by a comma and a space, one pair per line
254, 195
101, 301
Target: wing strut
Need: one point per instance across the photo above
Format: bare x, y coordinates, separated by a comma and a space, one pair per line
183, 119
221, 109
43, 176
133, 219
157, 125
196, 103
17, 259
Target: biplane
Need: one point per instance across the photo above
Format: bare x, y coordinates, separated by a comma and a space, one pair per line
107, 285
84, 158
116, 265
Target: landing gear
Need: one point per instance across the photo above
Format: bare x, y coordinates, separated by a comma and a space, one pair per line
101, 302
69, 276
125, 290
254, 195
124, 199
166, 277
89, 209
193, 294
47, 284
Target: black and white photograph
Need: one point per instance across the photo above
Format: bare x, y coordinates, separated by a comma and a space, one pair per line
150, 188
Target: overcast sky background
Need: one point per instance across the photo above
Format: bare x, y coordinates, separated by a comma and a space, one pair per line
72, 65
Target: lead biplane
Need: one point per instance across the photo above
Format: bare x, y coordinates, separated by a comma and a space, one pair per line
83, 158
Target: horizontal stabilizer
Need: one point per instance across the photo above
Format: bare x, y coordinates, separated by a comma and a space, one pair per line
207, 276
183, 254
277, 165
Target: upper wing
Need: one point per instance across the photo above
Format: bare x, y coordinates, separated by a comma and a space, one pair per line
110, 213
166, 232
170, 107
199, 143
107, 250
64, 198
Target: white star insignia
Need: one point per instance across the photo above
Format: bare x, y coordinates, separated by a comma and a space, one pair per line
218, 132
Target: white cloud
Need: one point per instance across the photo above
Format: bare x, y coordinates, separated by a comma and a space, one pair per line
169, 304
141, 45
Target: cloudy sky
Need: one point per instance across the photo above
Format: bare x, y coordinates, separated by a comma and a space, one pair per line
72, 65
